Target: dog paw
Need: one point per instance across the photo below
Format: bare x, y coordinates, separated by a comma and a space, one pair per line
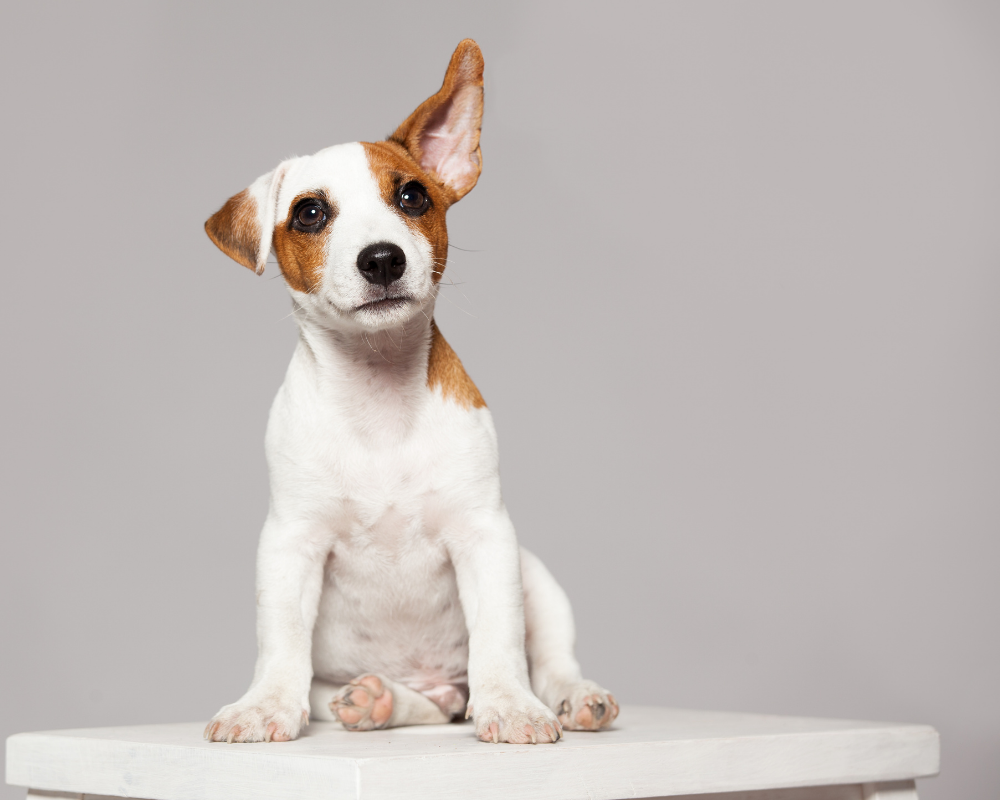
268, 721
365, 704
586, 707
518, 718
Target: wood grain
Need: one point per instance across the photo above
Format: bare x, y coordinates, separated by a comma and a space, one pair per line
651, 752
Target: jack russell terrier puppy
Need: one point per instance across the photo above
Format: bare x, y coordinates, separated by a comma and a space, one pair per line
390, 586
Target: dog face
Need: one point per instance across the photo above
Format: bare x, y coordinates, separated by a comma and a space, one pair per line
359, 229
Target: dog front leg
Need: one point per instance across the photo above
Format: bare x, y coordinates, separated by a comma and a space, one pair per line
487, 568
290, 562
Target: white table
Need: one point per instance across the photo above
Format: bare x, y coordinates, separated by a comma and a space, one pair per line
650, 752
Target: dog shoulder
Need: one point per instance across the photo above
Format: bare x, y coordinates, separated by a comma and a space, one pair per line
446, 375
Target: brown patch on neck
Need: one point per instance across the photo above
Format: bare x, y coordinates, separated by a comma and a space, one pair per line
392, 166
445, 370
301, 255
235, 230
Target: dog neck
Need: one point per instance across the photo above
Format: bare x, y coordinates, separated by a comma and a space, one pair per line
377, 379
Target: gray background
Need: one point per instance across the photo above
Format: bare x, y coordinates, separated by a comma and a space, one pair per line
733, 303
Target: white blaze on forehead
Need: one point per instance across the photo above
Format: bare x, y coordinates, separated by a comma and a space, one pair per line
343, 173
340, 171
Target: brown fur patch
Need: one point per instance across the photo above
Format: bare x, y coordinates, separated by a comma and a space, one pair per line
235, 230
301, 255
444, 369
392, 166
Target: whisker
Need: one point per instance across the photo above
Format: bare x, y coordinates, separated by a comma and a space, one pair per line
295, 307
458, 306
375, 349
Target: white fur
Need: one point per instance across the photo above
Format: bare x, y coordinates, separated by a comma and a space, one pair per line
387, 548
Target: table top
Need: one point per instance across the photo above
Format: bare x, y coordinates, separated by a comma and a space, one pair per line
649, 752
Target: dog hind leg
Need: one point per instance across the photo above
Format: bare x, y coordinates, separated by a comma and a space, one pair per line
373, 702
550, 637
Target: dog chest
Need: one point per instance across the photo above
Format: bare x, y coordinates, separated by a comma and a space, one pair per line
391, 608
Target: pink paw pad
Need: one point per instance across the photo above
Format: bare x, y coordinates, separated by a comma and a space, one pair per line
591, 713
364, 704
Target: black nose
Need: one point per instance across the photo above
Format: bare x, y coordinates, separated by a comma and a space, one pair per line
382, 262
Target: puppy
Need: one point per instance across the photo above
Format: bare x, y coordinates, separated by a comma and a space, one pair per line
390, 586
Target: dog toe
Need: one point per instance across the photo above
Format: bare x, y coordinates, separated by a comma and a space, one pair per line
587, 707
364, 704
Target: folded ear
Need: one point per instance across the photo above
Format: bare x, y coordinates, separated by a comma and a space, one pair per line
242, 227
442, 135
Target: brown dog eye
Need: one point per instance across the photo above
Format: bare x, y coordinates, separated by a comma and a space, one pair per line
310, 215
413, 198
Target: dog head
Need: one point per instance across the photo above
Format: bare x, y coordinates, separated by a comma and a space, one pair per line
359, 229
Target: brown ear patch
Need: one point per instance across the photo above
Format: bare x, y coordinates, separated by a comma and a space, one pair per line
392, 167
445, 370
442, 134
235, 230
301, 254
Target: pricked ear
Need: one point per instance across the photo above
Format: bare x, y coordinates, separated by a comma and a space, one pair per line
242, 227
442, 135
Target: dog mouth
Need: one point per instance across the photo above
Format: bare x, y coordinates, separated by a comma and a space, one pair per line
385, 303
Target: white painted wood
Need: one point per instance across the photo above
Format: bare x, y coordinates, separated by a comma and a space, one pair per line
801, 793
897, 790
35, 794
650, 752
852, 792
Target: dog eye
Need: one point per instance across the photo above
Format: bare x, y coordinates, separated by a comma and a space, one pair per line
413, 198
310, 215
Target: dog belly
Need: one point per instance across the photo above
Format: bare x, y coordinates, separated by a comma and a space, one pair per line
401, 621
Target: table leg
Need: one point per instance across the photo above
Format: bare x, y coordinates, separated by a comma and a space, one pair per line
897, 790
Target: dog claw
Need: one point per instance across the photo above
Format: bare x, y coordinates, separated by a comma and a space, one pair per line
468, 712
231, 736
